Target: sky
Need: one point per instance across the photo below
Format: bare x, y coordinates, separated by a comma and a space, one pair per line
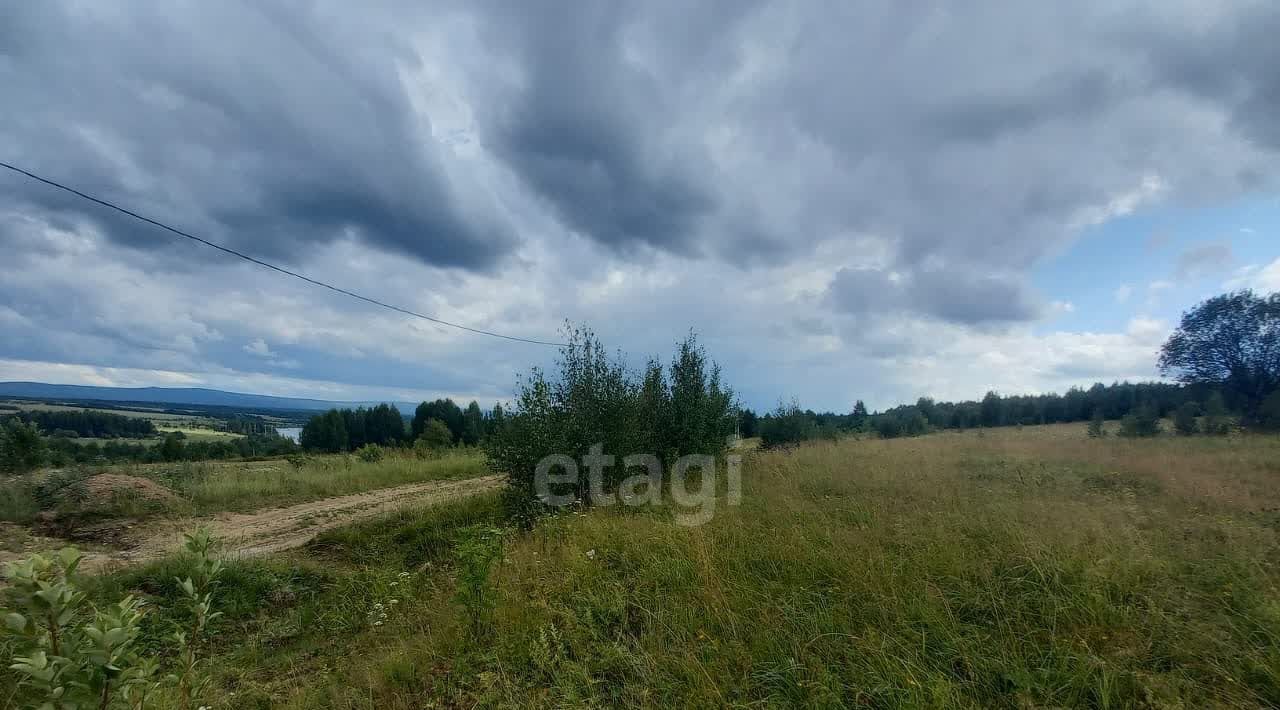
874, 201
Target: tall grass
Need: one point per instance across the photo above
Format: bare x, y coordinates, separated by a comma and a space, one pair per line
214, 486
1016, 570
1031, 568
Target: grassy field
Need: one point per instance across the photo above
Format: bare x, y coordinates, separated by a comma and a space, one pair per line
214, 486
197, 433
155, 415
1030, 568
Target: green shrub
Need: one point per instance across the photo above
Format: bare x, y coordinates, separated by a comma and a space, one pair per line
786, 426
593, 399
475, 551
22, 448
1184, 419
1097, 425
1216, 420
69, 653
435, 436
1143, 421
370, 453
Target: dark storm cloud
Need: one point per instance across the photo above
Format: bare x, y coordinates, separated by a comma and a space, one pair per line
979, 136
1229, 59
966, 143
265, 128
590, 132
958, 297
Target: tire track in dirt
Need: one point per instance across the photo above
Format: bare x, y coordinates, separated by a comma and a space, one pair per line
277, 529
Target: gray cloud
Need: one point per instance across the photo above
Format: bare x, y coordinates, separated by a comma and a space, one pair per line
266, 127
966, 298
1204, 260
500, 163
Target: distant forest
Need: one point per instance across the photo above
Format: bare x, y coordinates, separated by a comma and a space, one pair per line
1114, 401
339, 430
89, 425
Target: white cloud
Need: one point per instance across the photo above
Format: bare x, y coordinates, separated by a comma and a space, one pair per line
1261, 278
259, 347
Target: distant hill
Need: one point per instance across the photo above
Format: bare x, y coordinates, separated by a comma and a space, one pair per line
170, 395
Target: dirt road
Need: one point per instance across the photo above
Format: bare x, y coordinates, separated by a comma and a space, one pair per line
276, 529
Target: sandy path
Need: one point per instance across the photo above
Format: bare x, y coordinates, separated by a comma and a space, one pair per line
276, 529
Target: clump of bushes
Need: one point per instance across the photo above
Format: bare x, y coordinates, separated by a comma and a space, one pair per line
786, 426
592, 398
1097, 428
22, 448
1184, 419
1144, 421
435, 437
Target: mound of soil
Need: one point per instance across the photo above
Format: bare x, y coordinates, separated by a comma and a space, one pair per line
106, 485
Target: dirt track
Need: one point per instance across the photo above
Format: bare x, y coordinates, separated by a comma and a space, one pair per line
276, 529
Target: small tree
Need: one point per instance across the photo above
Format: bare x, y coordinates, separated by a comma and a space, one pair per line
1143, 421
197, 590
1184, 419
174, 447
22, 448
435, 435
1097, 424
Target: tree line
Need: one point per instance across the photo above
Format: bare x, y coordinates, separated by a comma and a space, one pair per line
23, 447
438, 424
1224, 356
788, 423
89, 424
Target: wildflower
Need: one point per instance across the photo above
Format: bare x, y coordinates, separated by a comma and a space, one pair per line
394, 602
591, 554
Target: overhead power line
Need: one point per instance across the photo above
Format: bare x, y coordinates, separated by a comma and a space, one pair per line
273, 267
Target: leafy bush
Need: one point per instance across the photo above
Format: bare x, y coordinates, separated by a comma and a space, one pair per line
21, 446
1184, 419
435, 436
1097, 425
370, 453
1216, 420
72, 654
902, 421
1141, 422
786, 426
